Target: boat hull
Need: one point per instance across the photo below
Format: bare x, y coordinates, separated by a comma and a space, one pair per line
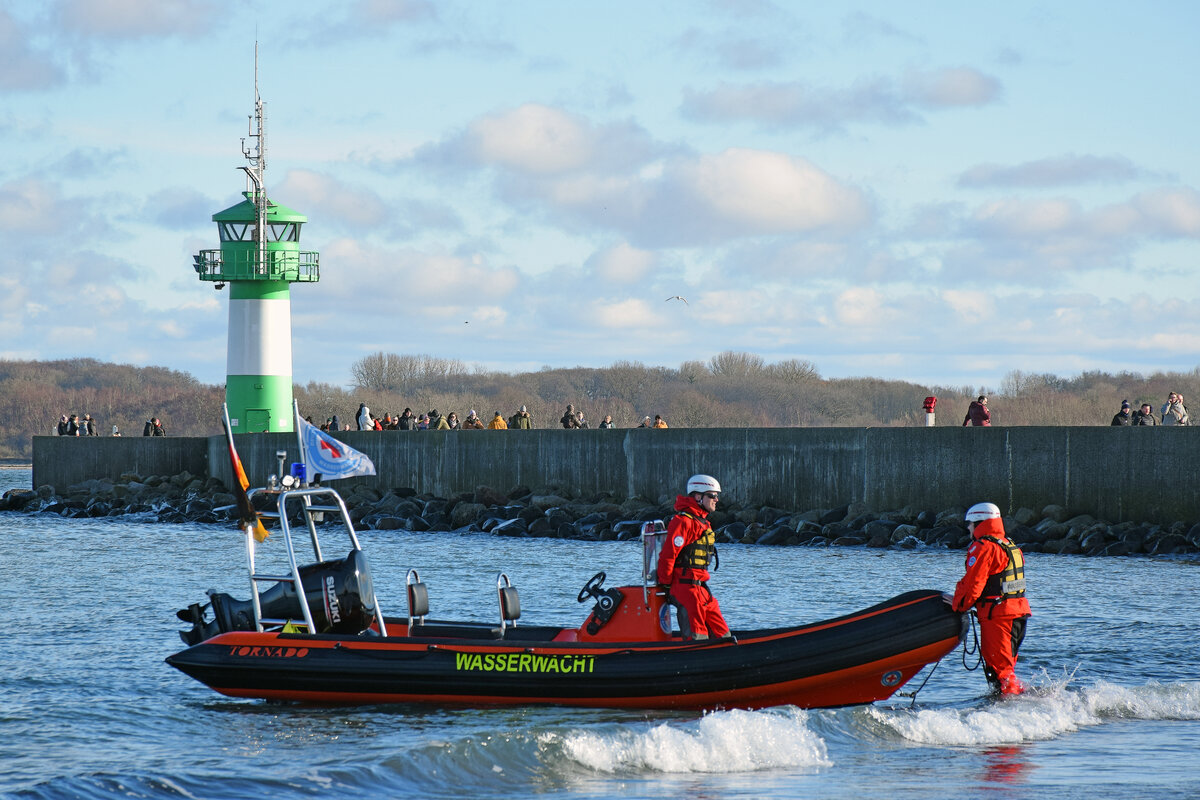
859, 658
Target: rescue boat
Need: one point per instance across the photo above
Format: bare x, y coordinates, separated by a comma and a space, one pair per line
316, 633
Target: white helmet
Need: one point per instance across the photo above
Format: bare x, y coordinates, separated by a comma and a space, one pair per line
982, 511
703, 483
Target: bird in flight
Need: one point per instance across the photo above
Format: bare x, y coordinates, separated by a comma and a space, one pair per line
676, 297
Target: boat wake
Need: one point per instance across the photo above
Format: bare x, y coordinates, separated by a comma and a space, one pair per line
729, 742
722, 741
1043, 713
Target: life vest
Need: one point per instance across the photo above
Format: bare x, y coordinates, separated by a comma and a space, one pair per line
1009, 584
697, 554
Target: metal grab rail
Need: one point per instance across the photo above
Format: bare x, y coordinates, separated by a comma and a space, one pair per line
305, 497
653, 534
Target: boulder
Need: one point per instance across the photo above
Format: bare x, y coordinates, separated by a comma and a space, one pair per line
487, 496
547, 501
776, 536
1022, 535
880, 528
1055, 512
1025, 516
834, 515
512, 527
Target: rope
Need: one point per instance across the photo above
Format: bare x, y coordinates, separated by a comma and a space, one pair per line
913, 693
970, 648
973, 648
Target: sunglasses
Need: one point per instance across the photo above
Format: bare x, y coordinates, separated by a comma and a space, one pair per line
712, 495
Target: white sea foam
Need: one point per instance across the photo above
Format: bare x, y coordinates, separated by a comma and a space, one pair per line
1043, 713
723, 741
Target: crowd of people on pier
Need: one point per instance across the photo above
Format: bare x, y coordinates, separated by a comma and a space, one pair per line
75, 425
521, 419
1173, 412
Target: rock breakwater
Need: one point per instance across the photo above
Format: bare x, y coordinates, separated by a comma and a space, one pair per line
551, 512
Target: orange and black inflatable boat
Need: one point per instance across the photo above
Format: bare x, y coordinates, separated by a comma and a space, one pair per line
316, 634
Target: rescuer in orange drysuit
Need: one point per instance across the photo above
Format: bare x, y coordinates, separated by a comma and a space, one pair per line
683, 561
994, 584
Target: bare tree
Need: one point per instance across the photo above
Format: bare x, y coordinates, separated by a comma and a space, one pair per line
736, 365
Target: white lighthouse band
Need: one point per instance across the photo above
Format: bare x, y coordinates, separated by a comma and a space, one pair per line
258, 381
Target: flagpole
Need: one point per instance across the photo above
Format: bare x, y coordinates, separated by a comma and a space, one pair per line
300, 438
249, 521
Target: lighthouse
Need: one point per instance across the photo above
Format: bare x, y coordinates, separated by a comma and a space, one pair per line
259, 259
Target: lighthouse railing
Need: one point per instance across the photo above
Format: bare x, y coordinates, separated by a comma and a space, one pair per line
294, 266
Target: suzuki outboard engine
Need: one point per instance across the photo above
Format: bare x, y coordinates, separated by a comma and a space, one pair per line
341, 599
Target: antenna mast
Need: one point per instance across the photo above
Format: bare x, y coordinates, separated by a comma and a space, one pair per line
257, 156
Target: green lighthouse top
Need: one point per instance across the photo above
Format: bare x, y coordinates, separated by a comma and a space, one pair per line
237, 223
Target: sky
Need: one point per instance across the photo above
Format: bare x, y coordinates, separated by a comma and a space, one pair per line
934, 192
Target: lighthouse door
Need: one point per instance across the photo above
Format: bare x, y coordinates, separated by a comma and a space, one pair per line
258, 419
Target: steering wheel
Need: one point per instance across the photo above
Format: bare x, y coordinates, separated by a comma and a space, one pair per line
592, 587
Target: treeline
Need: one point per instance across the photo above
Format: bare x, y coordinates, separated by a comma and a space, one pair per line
33, 394
731, 389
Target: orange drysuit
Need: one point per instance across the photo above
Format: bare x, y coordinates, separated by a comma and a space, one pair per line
683, 565
1002, 615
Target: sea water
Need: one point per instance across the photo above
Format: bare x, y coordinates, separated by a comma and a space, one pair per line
88, 708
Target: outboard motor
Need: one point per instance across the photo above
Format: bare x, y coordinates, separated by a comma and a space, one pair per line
341, 599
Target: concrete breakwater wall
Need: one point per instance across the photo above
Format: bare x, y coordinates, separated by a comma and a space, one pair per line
1118, 474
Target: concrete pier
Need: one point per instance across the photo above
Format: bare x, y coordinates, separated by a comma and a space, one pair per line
1117, 474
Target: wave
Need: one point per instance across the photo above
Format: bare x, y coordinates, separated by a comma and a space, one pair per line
1040, 714
722, 741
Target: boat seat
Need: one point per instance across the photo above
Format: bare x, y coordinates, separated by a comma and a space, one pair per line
418, 598
455, 630
535, 633
510, 602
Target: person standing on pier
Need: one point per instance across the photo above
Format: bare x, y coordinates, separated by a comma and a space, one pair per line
994, 585
978, 414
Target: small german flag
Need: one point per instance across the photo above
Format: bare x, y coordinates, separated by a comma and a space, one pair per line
247, 517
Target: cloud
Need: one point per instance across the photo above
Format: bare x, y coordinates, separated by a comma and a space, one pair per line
624, 314
34, 206
974, 305
335, 202
859, 306
362, 19
950, 88
859, 28
390, 281
23, 68
89, 162
538, 140
384, 12
1065, 170
1023, 219
764, 192
734, 52
178, 208
621, 264
706, 199
613, 177
797, 104
875, 100
137, 19
1170, 212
